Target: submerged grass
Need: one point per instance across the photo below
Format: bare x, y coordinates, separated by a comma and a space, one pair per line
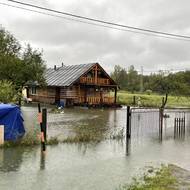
93, 134
86, 134
153, 179
29, 140
83, 134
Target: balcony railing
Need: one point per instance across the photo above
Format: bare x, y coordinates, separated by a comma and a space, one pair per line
96, 100
89, 80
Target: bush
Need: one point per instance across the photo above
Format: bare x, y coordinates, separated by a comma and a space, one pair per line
7, 92
149, 92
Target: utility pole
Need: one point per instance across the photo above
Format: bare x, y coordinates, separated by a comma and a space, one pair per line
141, 80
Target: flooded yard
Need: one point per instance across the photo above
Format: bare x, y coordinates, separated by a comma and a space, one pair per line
95, 165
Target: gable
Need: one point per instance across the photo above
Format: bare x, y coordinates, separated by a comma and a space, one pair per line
68, 75
101, 74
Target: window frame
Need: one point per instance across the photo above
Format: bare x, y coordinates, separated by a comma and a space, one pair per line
33, 90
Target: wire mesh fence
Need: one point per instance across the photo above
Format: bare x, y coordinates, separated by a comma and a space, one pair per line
105, 124
146, 122
32, 126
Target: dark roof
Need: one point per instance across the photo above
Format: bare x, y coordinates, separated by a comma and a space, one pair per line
66, 75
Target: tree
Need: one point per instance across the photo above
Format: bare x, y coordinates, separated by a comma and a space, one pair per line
7, 92
119, 76
33, 67
9, 46
19, 67
133, 79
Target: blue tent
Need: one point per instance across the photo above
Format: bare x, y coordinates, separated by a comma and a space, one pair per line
11, 118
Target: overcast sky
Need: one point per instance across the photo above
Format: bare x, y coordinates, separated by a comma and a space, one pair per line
77, 43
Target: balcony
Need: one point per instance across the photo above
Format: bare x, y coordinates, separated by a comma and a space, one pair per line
89, 80
96, 100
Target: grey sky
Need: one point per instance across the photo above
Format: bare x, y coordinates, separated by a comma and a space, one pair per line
75, 43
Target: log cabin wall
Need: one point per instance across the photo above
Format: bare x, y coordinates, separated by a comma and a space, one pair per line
69, 92
69, 95
45, 95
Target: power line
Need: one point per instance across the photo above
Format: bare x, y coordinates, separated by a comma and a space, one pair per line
95, 24
161, 34
163, 70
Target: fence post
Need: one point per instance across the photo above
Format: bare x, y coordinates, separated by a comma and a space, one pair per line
1, 134
41, 128
184, 124
128, 123
134, 100
161, 122
175, 127
44, 123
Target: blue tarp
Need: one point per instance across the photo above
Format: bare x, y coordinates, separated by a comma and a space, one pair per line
11, 118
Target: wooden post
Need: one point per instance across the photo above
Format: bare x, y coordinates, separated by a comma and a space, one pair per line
41, 128
128, 124
161, 123
134, 100
44, 123
96, 74
115, 96
1, 134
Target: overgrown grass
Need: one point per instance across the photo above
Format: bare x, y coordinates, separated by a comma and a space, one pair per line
152, 100
153, 179
87, 134
83, 134
93, 134
29, 140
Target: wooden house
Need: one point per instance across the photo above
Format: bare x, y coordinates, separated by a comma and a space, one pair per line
86, 84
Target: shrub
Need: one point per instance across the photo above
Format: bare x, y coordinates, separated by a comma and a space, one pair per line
7, 92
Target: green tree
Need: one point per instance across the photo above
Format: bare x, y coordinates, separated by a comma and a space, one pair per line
7, 92
19, 67
119, 76
133, 79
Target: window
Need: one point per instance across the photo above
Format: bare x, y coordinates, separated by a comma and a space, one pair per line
33, 90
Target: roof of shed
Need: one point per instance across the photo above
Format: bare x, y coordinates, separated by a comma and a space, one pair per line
66, 75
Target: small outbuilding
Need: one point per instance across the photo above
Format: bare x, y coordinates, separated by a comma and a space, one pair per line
11, 118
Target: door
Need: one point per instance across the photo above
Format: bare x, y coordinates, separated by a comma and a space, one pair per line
57, 95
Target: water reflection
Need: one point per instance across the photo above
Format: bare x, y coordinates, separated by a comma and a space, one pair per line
128, 146
10, 159
43, 160
104, 164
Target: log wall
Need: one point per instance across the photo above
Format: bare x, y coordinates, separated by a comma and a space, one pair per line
45, 95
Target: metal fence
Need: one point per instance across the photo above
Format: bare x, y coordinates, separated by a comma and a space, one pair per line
144, 122
151, 122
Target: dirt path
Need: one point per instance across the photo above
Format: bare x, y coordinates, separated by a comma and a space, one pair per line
182, 176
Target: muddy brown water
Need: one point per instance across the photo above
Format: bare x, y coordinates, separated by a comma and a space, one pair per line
94, 166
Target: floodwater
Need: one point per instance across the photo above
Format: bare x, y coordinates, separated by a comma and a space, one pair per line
91, 166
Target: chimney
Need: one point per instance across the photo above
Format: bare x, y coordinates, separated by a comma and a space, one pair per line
62, 64
55, 68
